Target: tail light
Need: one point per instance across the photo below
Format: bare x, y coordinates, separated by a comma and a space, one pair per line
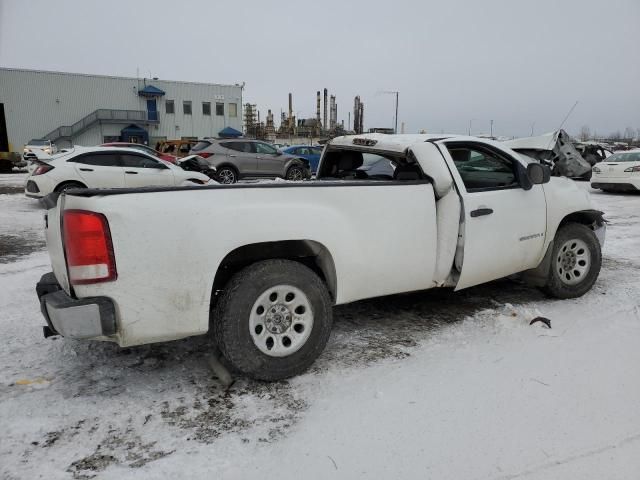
596, 170
205, 154
88, 247
633, 169
42, 168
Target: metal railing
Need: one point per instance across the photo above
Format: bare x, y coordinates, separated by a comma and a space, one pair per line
105, 115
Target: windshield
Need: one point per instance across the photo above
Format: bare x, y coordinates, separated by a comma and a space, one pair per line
37, 142
625, 157
200, 146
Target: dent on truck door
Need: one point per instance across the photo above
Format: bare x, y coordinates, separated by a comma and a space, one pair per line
504, 225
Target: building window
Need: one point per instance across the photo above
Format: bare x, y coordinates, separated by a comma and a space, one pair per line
168, 106
186, 107
206, 108
220, 109
233, 109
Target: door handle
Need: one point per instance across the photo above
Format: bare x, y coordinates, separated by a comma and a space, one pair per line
481, 211
131, 173
87, 169
233, 156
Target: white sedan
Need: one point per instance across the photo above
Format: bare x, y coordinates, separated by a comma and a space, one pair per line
106, 167
619, 172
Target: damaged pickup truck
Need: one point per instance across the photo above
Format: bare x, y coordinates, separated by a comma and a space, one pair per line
387, 214
557, 150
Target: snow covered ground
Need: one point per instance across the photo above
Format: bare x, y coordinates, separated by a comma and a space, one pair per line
425, 385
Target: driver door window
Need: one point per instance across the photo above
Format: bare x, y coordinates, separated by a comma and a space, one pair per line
482, 170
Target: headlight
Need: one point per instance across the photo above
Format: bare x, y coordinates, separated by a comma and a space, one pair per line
595, 170
633, 169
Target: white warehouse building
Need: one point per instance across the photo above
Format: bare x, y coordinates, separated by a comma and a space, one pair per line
81, 109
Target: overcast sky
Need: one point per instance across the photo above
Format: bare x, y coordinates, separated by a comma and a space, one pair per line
516, 62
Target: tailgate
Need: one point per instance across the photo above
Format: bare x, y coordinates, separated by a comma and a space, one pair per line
53, 236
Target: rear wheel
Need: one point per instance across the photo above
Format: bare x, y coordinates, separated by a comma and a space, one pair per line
227, 175
63, 187
575, 263
273, 319
295, 173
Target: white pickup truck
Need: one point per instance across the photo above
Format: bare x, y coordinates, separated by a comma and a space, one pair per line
261, 264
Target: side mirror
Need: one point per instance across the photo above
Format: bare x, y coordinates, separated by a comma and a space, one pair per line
538, 174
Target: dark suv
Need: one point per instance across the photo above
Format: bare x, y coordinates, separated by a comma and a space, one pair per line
238, 158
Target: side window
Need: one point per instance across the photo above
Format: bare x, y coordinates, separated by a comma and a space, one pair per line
316, 151
303, 151
139, 161
98, 159
483, 170
245, 147
265, 149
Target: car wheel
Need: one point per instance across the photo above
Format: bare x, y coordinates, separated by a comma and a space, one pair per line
273, 319
227, 175
575, 261
295, 173
63, 187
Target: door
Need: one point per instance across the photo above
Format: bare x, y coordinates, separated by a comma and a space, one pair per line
270, 160
99, 170
143, 171
504, 224
152, 109
242, 155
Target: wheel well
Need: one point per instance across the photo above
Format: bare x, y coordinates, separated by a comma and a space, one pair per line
589, 218
228, 165
74, 182
308, 252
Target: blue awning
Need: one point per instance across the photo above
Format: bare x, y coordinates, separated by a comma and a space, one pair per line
229, 132
150, 91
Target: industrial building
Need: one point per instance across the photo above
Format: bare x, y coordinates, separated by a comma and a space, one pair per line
81, 109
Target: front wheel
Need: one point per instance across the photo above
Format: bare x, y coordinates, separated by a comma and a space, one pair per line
575, 262
273, 319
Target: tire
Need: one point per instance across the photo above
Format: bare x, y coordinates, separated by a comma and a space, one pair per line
63, 187
227, 175
295, 173
574, 244
247, 314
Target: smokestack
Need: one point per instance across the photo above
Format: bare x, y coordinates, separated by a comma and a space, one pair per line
290, 108
332, 103
324, 124
361, 118
318, 108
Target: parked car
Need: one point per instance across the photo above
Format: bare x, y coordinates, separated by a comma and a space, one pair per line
144, 148
264, 267
311, 153
240, 158
106, 167
177, 148
39, 144
619, 172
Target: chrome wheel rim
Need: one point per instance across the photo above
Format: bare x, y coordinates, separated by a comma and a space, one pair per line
227, 176
295, 174
573, 261
281, 320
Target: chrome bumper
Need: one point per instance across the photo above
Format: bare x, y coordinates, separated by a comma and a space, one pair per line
72, 317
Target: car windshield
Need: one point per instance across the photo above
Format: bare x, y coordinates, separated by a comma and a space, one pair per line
200, 146
625, 157
38, 142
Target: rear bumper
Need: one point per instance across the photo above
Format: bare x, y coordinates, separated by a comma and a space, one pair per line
72, 317
618, 186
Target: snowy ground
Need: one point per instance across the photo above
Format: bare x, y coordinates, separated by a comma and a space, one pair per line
425, 385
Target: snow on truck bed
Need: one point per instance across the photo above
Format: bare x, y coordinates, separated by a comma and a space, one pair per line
424, 385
